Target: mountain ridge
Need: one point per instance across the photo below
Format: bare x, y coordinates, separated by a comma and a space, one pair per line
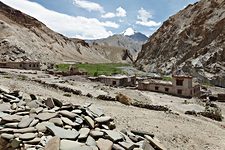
191, 40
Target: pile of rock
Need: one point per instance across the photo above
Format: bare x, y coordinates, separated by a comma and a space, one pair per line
28, 122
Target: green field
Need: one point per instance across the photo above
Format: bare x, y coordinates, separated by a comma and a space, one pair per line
95, 69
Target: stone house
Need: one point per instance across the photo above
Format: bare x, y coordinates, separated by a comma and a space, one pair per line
118, 80
27, 65
181, 85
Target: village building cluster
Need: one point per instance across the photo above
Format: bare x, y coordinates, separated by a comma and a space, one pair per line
180, 85
27, 65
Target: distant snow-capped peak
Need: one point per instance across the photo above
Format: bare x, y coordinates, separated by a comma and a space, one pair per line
129, 32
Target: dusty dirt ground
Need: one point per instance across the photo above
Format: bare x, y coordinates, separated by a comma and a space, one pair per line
176, 132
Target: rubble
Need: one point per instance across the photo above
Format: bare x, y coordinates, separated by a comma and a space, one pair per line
47, 124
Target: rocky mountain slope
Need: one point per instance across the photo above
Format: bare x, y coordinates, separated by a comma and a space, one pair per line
193, 40
129, 40
24, 38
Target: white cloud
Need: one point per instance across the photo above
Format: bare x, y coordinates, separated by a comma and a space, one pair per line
120, 12
109, 15
82, 27
90, 6
145, 19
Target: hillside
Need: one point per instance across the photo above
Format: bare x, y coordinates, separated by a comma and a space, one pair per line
193, 40
24, 38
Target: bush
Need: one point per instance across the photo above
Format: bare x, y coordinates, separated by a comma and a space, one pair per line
67, 95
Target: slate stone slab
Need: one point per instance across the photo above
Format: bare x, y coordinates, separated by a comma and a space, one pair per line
46, 116
53, 144
83, 133
56, 121
7, 136
113, 135
103, 119
89, 121
104, 144
27, 136
25, 122
68, 114
62, 133
69, 122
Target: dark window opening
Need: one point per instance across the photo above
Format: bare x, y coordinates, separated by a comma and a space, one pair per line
29, 65
156, 88
33, 65
167, 89
20, 65
114, 82
179, 92
180, 82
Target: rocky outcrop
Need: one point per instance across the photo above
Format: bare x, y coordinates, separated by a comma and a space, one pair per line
193, 40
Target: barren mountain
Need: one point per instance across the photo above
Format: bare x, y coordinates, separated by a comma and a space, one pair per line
24, 38
129, 40
193, 40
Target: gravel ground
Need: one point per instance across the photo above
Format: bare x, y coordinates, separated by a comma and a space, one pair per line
176, 132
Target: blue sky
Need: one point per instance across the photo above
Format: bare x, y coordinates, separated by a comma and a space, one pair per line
91, 19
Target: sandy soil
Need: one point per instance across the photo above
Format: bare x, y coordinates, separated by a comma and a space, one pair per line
176, 132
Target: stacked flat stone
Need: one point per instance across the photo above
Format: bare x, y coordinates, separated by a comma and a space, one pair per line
28, 122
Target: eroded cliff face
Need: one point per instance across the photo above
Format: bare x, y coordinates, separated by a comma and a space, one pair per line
193, 39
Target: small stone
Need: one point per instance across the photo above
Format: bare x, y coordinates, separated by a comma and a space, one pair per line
83, 133
77, 111
91, 141
7, 136
15, 143
33, 97
34, 123
68, 114
12, 118
96, 134
57, 102
41, 127
56, 121
89, 121
97, 111
34, 141
104, 144
33, 104
67, 127
113, 135
62, 133
69, 122
25, 122
25, 130
14, 106
79, 120
50, 103
27, 136
53, 144
38, 110
103, 119
2, 114
46, 116
11, 125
